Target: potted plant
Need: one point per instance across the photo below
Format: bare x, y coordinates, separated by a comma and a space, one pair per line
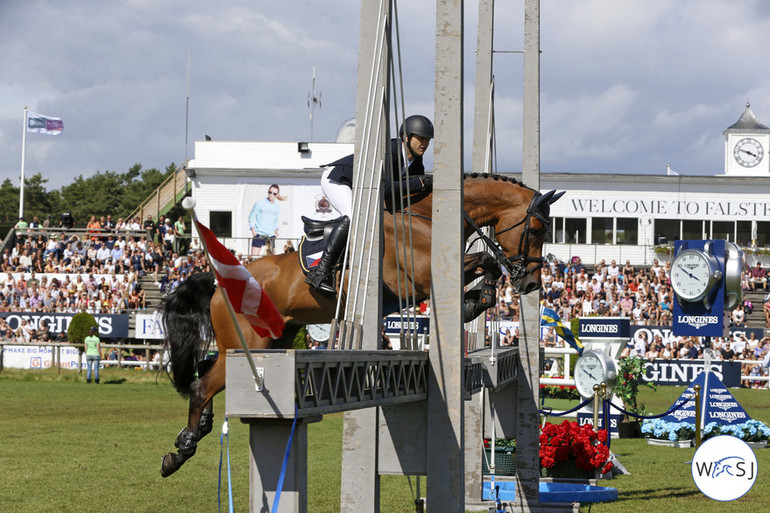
505, 456
753, 432
569, 450
673, 434
630, 371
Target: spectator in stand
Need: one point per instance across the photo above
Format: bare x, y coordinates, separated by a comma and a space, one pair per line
180, 229
108, 225
94, 228
758, 278
738, 317
168, 236
150, 227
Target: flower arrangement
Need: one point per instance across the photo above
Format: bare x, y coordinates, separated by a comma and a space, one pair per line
569, 441
671, 431
630, 370
500, 442
559, 392
749, 431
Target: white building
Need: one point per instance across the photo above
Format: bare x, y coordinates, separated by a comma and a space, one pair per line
601, 216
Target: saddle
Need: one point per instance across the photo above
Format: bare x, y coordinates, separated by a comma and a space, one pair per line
312, 245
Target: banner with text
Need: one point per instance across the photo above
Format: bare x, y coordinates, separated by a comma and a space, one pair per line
110, 325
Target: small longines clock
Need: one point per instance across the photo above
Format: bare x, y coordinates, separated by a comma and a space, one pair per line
593, 368
694, 273
748, 152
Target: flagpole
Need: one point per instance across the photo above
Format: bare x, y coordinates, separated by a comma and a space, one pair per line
23, 162
189, 205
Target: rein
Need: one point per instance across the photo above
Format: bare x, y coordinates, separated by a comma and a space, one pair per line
516, 265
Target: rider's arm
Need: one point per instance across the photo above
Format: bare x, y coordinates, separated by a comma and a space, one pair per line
416, 184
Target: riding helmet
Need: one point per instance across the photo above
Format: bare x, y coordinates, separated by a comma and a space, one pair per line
417, 125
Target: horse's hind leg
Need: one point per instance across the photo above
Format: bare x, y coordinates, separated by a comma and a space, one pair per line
200, 418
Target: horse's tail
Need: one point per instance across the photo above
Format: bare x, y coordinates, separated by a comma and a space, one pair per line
186, 319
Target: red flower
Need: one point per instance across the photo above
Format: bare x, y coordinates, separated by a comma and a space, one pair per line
570, 441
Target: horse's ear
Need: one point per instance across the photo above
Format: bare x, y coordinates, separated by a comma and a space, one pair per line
554, 197
545, 198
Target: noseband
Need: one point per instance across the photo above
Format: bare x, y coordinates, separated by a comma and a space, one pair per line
517, 265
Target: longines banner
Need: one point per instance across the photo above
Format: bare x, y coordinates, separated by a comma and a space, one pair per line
683, 372
605, 327
110, 325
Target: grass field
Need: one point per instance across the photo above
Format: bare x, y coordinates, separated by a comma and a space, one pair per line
68, 446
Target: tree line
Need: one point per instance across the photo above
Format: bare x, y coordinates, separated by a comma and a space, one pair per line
103, 193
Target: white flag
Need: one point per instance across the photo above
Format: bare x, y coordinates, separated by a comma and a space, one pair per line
44, 124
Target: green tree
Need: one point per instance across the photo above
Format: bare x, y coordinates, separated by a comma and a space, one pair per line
9, 202
79, 326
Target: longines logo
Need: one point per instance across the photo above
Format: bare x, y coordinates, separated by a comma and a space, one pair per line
724, 468
698, 321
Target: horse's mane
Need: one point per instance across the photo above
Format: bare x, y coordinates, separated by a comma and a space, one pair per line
492, 176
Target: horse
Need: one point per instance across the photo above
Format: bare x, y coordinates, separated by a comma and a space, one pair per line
196, 311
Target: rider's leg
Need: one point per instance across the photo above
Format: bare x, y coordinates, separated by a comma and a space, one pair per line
322, 276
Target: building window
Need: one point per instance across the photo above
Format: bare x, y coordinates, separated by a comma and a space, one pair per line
666, 231
692, 230
221, 223
627, 231
763, 234
743, 233
601, 230
575, 231
723, 230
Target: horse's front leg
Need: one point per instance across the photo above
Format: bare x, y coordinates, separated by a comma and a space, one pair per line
200, 418
476, 265
484, 295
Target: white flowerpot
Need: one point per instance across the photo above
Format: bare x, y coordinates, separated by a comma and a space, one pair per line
669, 443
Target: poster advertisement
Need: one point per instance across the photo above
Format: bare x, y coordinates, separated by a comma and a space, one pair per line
271, 213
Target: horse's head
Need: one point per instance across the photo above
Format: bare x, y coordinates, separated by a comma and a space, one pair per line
521, 230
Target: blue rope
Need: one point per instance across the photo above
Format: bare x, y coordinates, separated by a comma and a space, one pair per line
279, 486
552, 414
671, 410
607, 421
225, 435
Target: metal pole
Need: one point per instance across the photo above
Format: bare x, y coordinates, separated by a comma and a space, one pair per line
23, 162
446, 460
528, 425
698, 413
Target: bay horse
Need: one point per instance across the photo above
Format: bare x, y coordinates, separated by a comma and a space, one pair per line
195, 312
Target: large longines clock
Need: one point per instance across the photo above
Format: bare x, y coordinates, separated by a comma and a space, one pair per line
748, 152
694, 274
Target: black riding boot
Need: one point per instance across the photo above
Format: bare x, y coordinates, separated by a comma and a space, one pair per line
321, 276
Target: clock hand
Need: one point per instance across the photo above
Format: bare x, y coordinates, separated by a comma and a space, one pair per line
750, 153
691, 275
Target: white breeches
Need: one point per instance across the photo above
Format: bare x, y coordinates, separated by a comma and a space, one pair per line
338, 194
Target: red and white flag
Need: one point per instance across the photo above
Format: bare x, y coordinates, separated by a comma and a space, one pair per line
246, 295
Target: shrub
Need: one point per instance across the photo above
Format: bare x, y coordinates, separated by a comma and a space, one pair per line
79, 327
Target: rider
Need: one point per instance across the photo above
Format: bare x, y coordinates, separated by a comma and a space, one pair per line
337, 184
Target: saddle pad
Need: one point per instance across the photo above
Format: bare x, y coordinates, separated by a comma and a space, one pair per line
310, 251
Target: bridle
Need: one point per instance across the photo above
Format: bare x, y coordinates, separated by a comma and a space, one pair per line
518, 266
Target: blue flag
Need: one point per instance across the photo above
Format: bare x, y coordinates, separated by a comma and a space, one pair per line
551, 319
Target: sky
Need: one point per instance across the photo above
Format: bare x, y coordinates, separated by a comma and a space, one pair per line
627, 86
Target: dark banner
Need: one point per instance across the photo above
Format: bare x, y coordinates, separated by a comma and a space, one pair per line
393, 323
604, 327
683, 372
110, 325
667, 334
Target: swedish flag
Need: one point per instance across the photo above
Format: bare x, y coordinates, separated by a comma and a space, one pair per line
551, 319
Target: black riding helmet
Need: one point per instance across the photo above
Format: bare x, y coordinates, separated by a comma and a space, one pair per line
416, 125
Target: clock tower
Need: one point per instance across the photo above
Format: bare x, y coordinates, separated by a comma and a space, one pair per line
747, 146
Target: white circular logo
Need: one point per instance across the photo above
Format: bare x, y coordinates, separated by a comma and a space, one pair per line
724, 468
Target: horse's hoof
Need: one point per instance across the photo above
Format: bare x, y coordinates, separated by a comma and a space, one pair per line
170, 464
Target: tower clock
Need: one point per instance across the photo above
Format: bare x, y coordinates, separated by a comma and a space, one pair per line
747, 143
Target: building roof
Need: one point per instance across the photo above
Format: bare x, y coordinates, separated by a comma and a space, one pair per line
747, 122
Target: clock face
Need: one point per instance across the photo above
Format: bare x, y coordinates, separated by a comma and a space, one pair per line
589, 371
748, 152
319, 332
692, 275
